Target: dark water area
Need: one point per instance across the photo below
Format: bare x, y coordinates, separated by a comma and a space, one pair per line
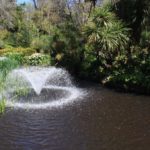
103, 120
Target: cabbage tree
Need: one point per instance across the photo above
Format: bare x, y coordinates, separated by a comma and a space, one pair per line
106, 33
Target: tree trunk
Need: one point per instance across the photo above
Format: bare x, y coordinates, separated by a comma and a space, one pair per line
35, 4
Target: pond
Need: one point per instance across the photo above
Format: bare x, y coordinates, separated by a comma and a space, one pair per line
102, 120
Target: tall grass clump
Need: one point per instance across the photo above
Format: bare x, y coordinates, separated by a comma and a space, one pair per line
6, 65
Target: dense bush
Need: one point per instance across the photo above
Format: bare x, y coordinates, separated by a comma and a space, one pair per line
2, 44
20, 38
145, 39
130, 73
37, 59
4, 34
17, 57
41, 44
67, 47
6, 65
23, 30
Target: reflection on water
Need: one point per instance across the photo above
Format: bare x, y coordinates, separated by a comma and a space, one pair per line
105, 120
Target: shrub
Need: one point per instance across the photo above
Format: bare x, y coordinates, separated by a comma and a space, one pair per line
41, 44
37, 59
145, 39
7, 65
18, 57
4, 34
21, 38
67, 47
2, 44
2, 105
23, 29
131, 73
23, 51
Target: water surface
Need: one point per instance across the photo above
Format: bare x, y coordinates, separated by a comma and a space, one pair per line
104, 120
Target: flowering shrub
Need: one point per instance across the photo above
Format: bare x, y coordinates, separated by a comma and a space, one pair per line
37, 59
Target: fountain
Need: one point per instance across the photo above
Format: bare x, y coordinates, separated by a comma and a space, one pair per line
46, 87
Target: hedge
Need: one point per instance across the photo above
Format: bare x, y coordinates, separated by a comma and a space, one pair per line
24, 51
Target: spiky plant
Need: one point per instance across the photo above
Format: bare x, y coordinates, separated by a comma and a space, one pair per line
106, 32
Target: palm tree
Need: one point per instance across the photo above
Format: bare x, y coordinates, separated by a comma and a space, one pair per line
106, 33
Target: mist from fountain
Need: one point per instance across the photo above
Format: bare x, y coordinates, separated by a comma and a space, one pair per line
55, 81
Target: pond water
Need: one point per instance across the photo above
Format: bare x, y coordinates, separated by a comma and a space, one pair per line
103, 120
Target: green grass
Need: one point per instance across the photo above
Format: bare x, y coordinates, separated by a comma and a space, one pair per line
6, 66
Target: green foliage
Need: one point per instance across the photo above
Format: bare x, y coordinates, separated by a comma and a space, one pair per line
136, 13
23, 51
2, 106
6, 65
23, 31
106, 33
99, 48
66, 46
18, 57
21, 92
41, 44
145, 39
37, 59
130, 73
2, 44
3, 34
20, 38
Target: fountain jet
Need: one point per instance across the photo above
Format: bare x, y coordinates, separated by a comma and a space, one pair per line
49, 87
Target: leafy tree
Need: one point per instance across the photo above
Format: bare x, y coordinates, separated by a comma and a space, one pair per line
24, 29
7, 11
